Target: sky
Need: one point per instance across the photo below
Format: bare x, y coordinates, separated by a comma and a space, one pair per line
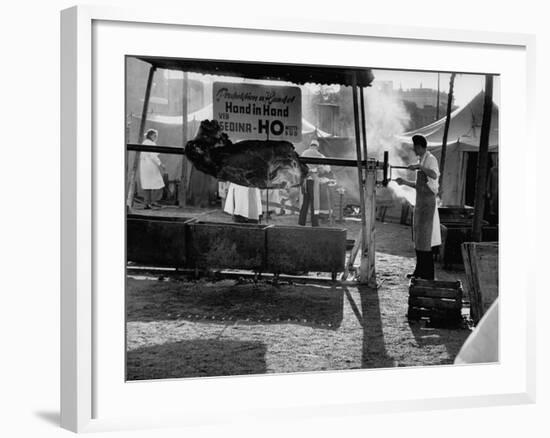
465, 88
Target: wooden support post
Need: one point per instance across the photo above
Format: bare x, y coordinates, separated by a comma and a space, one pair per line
182, 193
437, 100
446, 133
483, 158
363, 127
368, 272
131, 189
364, 248
369, 276
353, 256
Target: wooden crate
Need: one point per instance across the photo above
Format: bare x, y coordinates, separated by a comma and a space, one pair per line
481, 266
440, 301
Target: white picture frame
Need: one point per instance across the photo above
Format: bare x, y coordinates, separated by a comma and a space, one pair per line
82, 369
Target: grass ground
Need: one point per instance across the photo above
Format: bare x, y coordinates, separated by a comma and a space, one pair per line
182, 328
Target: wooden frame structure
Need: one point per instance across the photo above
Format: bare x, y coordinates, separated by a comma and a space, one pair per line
357, 78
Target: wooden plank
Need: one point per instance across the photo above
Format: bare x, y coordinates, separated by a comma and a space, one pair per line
435, 293
419, 312
370, 201
370, 205
474, 310
436, 284
475, 277
434, 303
487, 262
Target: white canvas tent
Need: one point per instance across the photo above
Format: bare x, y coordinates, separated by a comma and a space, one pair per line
463, 137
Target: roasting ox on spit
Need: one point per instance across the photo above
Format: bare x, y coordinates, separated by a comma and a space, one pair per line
265, 164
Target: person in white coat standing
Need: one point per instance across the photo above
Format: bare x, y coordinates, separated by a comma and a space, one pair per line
150, 169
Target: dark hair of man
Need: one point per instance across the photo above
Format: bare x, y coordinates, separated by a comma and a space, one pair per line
420, 140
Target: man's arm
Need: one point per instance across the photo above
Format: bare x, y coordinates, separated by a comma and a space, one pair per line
404, 182
430, 167
429, 172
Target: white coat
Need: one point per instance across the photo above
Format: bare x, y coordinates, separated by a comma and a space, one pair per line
243, 201
430, 162
149, 171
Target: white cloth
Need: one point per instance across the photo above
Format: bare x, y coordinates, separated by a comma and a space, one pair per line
243, 201
482, 344
429, 161
436, 228
149, 171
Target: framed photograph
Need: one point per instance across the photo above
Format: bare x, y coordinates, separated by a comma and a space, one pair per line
303, 219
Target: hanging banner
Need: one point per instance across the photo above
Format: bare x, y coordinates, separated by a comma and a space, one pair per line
258, 112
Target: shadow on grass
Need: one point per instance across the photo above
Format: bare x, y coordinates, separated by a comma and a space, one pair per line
452, 338
374, 353
196, 358
226, 300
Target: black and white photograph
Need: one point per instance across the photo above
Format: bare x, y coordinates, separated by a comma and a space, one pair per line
286, 218
277, 219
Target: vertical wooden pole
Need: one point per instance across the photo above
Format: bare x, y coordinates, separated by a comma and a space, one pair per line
483, 158
437, 101
364, 248
131, 189
445, 134
182, 193
370, 204
266, 206
363, 126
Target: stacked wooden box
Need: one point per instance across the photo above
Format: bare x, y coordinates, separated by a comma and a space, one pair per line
481, 266
440, 301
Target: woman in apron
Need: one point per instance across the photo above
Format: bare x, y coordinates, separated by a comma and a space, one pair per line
425, 211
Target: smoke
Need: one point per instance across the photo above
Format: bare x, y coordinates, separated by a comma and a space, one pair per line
402, 193
386, 117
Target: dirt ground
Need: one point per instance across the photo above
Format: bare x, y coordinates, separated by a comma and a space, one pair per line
177, 327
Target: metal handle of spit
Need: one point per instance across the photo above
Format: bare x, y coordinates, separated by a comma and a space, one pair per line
387, 169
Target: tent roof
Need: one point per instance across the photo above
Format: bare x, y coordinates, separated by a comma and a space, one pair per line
465, 126
298, 74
